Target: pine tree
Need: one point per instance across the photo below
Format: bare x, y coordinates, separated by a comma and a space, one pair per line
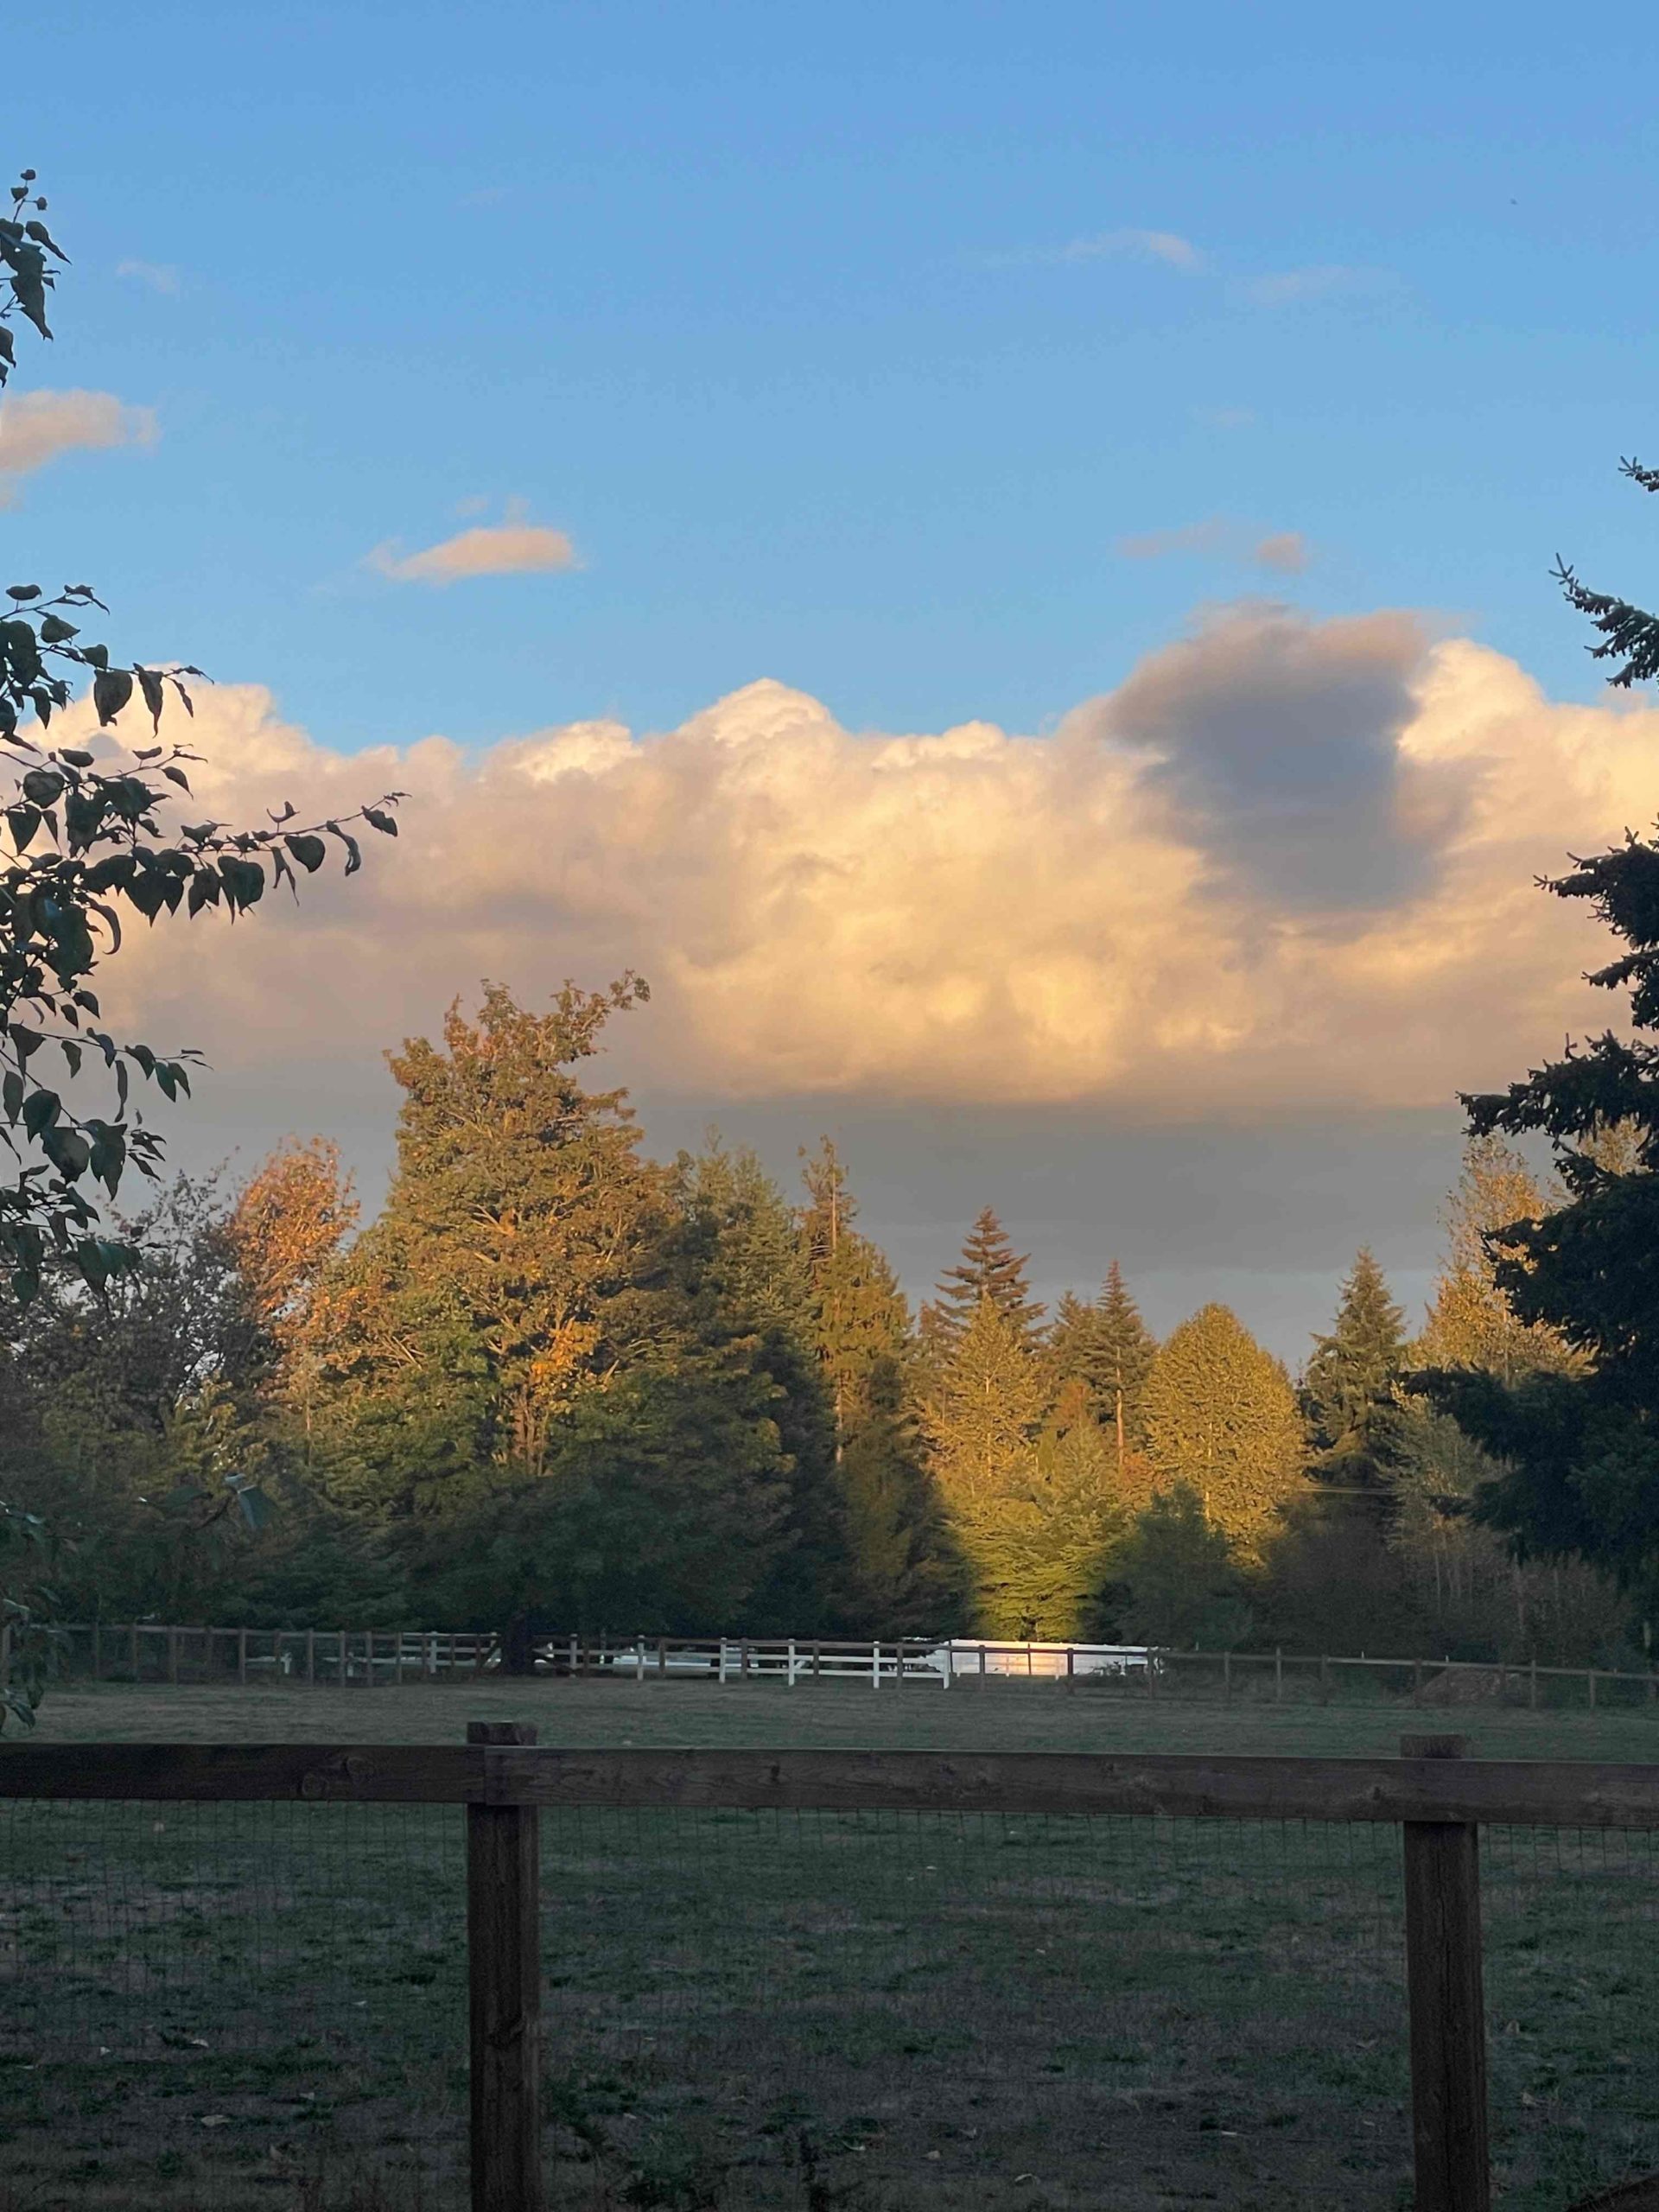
1347, 1392
1220, 1416
989, 1270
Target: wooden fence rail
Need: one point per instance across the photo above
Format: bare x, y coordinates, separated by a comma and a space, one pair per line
1438, 1798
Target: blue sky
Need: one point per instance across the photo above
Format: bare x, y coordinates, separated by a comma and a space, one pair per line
944, 363
770, 309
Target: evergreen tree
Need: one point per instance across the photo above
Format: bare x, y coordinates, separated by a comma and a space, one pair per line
1079, 1516
910, 1571
508, 1275
1473, 1321
750, 1294
1222, 1417
1579, 1435
990, 1270
983, 1419
857, 1314
756, 1268
1124, 1350
1180, 1583
1347, 1392
1628, 634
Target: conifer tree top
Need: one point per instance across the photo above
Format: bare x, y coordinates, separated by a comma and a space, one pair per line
989, 1270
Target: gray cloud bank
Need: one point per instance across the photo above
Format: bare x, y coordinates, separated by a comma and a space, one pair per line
1281, 879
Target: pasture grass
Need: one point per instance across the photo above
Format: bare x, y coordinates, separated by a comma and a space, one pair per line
222, 2008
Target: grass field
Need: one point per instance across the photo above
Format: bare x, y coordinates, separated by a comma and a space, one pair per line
227, 2007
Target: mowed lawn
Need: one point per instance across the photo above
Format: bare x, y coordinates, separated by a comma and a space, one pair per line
265, 2005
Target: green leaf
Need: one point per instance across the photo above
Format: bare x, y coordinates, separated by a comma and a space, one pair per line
23, 822
54, 630
150, 685
112, 689
40, 1111
11, 1095
42, 786
311, 852
377, 818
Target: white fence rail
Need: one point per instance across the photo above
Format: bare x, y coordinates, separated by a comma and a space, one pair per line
157, 1652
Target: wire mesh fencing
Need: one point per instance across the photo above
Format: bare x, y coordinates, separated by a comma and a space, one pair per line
225, 2006
250, 2004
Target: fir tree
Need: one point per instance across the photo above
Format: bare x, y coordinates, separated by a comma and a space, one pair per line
508, 1274
858, 1317
1221, 1417
1106, 1346
1179, 1581
911, 1574
982, 1419
990, 1270
1628, 634
1124, 1350
1580, 1436
1347, 1392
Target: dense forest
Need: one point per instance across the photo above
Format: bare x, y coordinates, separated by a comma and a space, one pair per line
556, 1383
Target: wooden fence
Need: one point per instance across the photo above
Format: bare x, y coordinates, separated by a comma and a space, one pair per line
1437, 1799
158, 1652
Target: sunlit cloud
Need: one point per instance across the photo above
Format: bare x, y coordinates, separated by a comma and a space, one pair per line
508, 549
1206, 537
1288, 866
37, 427
1286, 552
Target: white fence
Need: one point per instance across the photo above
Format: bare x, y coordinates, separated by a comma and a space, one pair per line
161, 1651
153, 1651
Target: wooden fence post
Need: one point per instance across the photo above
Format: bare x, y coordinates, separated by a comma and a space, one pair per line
504, 1991
242, 1657
1447, 2004
1279, 1674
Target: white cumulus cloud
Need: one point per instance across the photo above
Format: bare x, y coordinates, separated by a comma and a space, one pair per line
1287, 867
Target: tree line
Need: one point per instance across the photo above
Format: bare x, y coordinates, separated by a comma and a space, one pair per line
557, 1383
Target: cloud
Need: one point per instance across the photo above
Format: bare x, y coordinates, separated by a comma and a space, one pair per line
37, 426
1292, 287
1224, 418
1166, 246
1205, 536
1286, 552
1286, 867
160, 276
508, 549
